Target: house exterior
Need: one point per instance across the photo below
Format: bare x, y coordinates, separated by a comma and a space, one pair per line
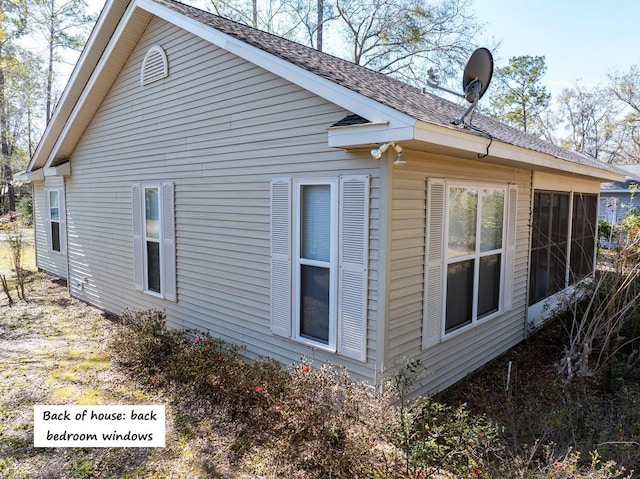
225, 176
618, 198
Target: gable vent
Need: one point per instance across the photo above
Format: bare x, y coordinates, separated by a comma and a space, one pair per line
155, 66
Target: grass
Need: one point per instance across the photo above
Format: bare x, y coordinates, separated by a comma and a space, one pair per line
56, 350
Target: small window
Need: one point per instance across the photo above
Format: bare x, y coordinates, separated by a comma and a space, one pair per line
54, 220
155, 66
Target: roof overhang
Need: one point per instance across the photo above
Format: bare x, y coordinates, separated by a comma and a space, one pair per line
438, 139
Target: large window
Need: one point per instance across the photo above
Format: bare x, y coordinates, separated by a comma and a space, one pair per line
54, 219
154, 242
474, 255
469, 255
563, 241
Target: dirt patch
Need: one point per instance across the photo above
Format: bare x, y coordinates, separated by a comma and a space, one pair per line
54, 350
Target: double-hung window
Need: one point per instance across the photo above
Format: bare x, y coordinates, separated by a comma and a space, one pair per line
154, 239
315, 261
469, 256
54, 219
319, 262
474, 254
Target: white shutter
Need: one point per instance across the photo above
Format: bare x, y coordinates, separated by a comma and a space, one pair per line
281, 256
509, 267
138, 252
169, 290
62, 221
47, 205
434, 263
353, 266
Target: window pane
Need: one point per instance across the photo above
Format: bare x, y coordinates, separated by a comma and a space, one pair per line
316, 222
152, 213
459, 295
489, 285
153, 266
53, 199
491, 219
463, 209
55, 236
314, 303
54, 206
583, 239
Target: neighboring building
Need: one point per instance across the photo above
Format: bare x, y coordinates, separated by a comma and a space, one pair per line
224, 175
619, 197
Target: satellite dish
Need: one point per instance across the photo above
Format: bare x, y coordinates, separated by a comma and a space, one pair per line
475, 80
479, 68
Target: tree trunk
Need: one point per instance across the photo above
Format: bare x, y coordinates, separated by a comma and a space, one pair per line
320, 25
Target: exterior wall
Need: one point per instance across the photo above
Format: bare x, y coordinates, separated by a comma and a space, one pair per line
454, 357
614, 206
220, 129
53, 262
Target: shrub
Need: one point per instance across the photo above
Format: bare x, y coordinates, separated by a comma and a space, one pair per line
309, 421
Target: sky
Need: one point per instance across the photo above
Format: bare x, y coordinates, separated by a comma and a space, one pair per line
581, 40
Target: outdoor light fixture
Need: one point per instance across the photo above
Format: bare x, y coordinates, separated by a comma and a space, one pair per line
378, 152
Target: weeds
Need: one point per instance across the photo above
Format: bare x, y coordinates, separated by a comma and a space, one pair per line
313, 421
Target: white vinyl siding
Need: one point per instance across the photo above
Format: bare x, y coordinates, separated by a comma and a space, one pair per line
219, 128
53, 262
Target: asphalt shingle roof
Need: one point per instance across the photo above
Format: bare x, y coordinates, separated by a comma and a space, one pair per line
384, 89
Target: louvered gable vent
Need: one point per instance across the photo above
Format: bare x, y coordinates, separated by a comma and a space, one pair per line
155, 66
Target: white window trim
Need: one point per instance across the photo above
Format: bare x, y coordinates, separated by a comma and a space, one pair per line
475, 321
166, 240
159, 240
333, 262
60, 221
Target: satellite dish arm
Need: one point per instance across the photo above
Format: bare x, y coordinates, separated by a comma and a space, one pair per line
434, 84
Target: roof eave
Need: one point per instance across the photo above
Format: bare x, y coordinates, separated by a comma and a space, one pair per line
459, 142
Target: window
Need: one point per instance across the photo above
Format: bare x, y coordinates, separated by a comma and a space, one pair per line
54, 219
549, 243
561, 255
474, 254
315, 261
319, 262
583, 235
469, 255
154, 243
55, 233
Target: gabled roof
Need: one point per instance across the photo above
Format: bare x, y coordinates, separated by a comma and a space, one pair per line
384, 109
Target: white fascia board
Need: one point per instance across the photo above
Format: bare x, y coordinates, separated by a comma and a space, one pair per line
337, 94
59, 170
28, 176
95, 77
354, 136
454, 138
68, 99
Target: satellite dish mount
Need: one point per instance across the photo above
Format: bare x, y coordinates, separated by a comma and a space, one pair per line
475, 80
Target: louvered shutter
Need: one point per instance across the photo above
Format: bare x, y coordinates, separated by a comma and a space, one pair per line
169, 290
434, 263
509, 269
138, 254
47, 205
353, 266
281, 256
62, 221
